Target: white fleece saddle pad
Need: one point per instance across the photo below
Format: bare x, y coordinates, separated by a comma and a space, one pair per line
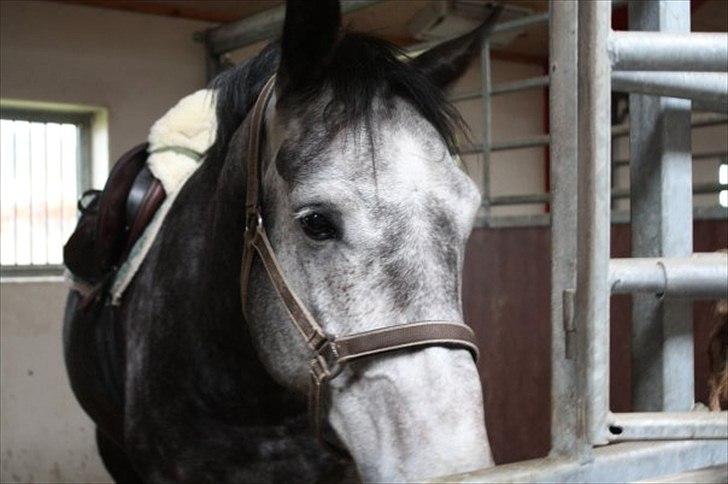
190, 125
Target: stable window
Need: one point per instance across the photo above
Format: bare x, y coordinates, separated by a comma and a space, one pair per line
44, 166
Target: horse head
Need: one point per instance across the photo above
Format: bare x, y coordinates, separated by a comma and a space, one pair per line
368, 212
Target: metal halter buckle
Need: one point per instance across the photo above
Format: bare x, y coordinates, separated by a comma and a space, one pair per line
253, 220
325, 364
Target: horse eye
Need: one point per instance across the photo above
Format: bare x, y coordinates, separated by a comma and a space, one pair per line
318, 227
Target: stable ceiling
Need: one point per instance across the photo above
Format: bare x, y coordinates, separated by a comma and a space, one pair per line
389, 19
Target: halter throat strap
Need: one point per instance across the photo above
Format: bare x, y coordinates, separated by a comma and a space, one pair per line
329, 353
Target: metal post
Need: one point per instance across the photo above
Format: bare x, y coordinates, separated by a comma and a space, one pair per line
662, 226
485, 83
563, 155
593, 221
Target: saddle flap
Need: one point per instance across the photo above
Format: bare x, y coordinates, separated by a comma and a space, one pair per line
102, 235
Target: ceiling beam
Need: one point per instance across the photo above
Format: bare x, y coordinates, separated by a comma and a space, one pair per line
261, 26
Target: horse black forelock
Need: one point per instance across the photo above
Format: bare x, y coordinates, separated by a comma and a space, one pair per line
360, 70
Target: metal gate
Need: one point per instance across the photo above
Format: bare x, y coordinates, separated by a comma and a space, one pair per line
590, 443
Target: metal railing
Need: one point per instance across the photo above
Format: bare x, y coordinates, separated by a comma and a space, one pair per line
663, 436
707, 90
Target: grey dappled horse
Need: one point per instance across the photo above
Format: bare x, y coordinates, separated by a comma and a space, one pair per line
368, 212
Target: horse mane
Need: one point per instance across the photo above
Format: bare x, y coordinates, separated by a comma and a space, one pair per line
360, 70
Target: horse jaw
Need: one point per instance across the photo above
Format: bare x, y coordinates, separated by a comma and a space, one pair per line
412, 416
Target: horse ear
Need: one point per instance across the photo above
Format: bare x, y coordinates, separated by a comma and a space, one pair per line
445, 62
310, 32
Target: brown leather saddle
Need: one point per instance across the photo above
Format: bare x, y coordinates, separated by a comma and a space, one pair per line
113, 219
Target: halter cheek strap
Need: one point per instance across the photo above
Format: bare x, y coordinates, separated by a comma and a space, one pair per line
329, 353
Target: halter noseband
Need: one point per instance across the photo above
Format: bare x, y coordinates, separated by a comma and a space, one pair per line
330, 353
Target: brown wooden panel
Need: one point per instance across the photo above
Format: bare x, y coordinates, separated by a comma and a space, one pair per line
506, 300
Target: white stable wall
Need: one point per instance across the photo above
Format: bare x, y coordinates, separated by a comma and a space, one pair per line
136, 67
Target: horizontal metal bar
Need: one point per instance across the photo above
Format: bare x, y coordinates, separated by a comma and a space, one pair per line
32, 270
504, 87
700, 275
713, 474
700, 120
707, 155
505, 221
524, 199
617, 193
465, 96
714, 212
520, 85
668, 425
698, 189
624, 462
521, 23
661, 51
517, 144
710, 88
261, 26
540, 140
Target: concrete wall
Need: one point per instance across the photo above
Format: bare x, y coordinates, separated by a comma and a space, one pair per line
136, 67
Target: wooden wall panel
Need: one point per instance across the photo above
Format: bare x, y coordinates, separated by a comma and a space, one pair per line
506, 301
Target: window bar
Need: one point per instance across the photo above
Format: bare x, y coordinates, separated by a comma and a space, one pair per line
47, 195
14, 153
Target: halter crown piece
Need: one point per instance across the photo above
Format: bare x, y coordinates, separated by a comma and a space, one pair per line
329, 353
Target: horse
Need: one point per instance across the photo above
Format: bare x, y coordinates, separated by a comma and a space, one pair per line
368, 212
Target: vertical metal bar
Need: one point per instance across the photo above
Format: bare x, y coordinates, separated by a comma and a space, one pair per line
593, 221
14, 125
662, 225
563, 155
485, 83
30, 189
47, 194
62, 181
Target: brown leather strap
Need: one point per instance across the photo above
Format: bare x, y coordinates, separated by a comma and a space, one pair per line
301, 318
252, 193
252, 180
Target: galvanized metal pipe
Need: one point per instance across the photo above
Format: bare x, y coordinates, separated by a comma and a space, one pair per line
697, 189
707, 155
669, 51
565, 440
524, 199
517, 144
592, 288
668, 425
623, 462
521, 23
520, 85
700, 275
711, 88
539, 140
700, 120
504, 88
661, 214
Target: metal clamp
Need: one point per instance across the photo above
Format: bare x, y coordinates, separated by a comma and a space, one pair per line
325, 364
